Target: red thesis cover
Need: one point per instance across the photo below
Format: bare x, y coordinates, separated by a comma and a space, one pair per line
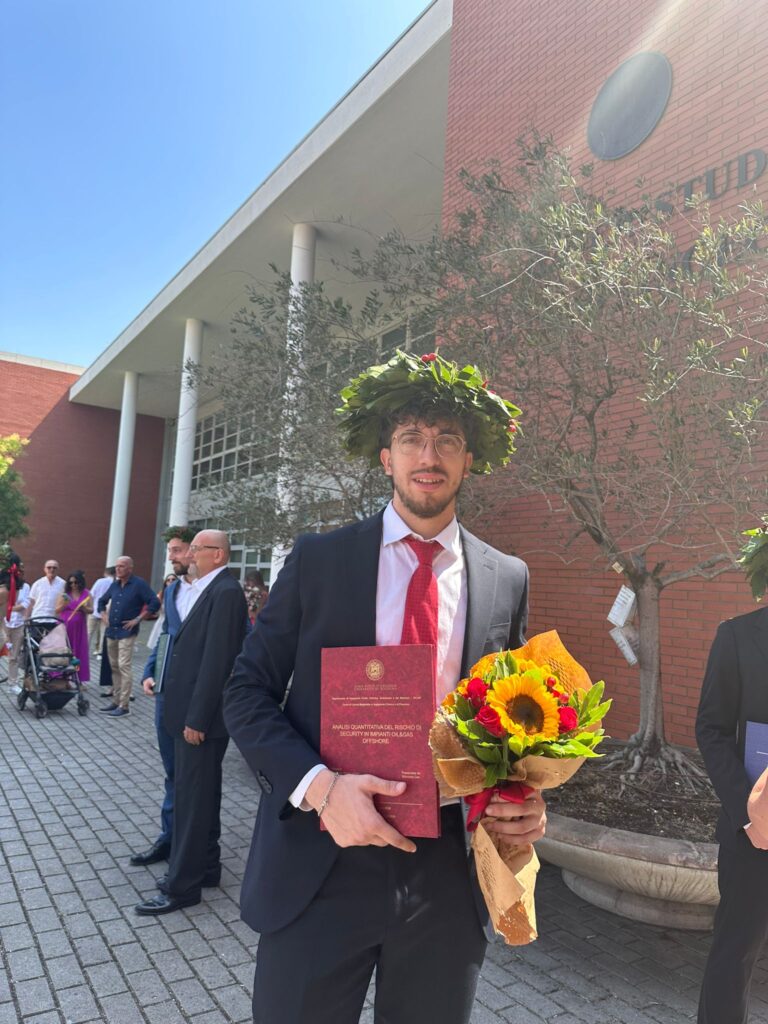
376, 709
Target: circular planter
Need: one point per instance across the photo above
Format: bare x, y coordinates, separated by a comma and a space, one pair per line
667, 882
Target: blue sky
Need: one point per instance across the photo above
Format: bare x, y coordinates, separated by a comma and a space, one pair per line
131, 131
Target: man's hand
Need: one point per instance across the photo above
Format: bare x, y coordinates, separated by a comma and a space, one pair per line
350, 815
756, 837
525, 823
193, 736
148, 686
105, 618
130, 623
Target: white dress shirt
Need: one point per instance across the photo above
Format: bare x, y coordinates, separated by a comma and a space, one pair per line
187, 596
44, 594
397, 563
98, 590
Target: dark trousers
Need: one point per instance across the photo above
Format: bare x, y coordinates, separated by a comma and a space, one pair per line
195, 851
741, 929
410, 917
165, 743
105, 669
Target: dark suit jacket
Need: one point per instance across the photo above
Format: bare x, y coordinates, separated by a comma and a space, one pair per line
325, 596
204, 649
735, 691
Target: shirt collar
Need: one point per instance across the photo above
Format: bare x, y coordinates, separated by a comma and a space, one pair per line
394, 529
202, 581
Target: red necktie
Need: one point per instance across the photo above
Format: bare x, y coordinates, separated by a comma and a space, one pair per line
420, 619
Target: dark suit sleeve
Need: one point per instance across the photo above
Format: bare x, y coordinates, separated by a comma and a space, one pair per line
223, 639
717, 724
253, 699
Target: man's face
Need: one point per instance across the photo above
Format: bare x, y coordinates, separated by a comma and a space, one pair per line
123, 568
51, 569
178, 555
426, 482
206, 555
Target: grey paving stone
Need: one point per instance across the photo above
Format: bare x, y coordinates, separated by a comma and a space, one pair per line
16, 936
235, 1002
25, 964
78, 1005
64, 972
122, 1009
148, 987
106, 980
191, 996
165, 1013
34, 996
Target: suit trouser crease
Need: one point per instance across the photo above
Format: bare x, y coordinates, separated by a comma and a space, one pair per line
740, 932
195, 850
120, 654
165, 744
410, 917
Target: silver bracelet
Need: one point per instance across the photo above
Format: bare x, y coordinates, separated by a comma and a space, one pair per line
327, 796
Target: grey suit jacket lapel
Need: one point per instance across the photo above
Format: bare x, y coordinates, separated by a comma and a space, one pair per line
482, 578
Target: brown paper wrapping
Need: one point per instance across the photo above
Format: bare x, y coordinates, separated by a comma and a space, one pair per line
507, 871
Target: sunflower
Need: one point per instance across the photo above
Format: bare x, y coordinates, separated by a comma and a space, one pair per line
525, 707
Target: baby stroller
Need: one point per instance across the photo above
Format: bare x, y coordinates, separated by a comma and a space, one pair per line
51, 678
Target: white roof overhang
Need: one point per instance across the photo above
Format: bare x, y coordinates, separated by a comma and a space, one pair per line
375, 161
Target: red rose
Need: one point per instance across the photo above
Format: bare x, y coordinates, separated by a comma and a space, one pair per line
568, 719
489, 719
512, 428
476, 691
430, 357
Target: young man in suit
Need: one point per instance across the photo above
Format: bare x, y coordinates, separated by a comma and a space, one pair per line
213, 623
734, 692
333, 906
178, 540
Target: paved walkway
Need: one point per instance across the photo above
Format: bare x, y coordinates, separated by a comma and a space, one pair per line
77, 795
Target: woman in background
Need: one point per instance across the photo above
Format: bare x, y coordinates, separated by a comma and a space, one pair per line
73, 608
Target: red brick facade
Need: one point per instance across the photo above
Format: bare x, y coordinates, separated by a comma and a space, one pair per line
520, 66
68, 470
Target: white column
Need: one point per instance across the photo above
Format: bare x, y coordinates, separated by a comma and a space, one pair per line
302, 272
181, 488
123, 467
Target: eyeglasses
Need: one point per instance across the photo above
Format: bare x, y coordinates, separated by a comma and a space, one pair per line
413, 442
194, 548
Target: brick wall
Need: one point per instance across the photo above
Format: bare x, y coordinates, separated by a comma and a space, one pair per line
517, 66
68, 471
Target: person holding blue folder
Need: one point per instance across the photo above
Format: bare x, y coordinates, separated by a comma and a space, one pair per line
732, 733
178, 539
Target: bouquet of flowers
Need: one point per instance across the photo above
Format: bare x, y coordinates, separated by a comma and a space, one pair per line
523, 718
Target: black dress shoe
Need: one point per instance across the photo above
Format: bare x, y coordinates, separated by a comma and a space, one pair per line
211, 880
164, 904
109, 707
156, 853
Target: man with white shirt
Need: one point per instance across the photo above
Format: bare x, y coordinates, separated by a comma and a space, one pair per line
333, 906
44, 592
213, 617
95, 624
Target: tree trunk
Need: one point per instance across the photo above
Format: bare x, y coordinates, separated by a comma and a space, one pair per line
650, 734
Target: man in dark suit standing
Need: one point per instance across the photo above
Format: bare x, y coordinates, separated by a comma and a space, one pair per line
178, 540
333, 906
213, 622
735, 691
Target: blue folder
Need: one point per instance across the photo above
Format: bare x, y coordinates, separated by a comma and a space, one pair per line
756, 749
